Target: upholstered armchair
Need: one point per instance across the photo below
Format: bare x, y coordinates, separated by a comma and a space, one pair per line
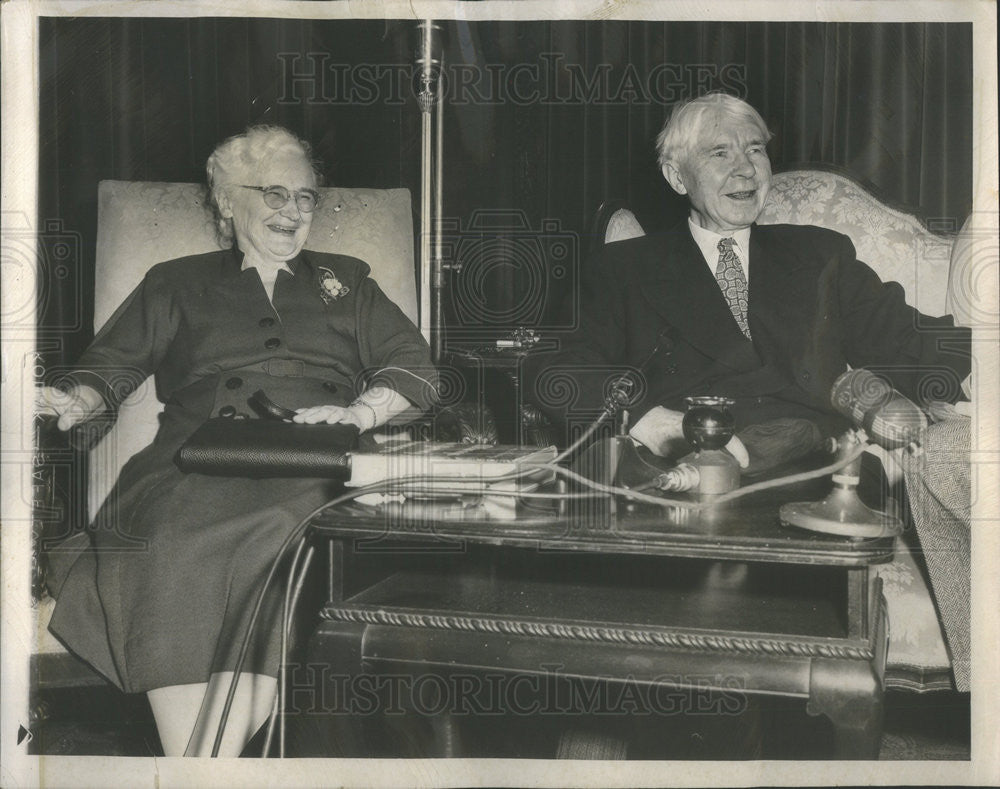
613, 221
928, 583
143, 223
140, 224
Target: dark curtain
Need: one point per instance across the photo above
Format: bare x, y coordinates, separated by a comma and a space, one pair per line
149, 100
543, 121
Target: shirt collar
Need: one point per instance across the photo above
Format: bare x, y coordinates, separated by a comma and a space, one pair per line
708, 243
246, 264
300, 265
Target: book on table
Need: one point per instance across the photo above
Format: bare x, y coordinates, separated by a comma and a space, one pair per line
450, 464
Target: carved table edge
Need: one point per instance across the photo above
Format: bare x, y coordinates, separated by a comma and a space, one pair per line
747, 644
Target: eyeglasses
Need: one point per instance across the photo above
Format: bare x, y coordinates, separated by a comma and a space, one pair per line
306, 200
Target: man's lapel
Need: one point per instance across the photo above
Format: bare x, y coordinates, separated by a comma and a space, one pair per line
782, 302
679, 286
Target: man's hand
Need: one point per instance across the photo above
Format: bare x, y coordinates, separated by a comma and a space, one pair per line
660, 428
72, 407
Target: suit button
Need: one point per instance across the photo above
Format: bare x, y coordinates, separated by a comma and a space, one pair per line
265, 323
271, 343
227, 411
805, 375
330, 386
234, 383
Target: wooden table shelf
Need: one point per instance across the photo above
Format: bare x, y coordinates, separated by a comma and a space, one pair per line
640, 595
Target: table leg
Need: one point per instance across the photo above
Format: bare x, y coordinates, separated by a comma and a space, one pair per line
849, 694
335, 586
322, 722
446, 736
858, 602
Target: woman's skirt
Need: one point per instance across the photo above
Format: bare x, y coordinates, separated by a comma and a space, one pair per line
161, 588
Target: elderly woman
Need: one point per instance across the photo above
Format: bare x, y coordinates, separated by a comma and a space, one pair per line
315, 333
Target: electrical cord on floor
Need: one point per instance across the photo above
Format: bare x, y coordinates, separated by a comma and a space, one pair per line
278, 703
288, 606
525, 469
294, 534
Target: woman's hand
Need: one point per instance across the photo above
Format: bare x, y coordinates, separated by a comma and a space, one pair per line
359, 415
77, 405
372, 408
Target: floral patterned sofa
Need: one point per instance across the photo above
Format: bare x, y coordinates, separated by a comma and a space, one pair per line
923, 654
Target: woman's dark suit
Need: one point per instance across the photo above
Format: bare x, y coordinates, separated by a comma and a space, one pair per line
161, 592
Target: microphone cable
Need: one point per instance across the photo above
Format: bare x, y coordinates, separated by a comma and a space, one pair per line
294, 534
526, 468
297, 533
663, 501
293, 590
618, 398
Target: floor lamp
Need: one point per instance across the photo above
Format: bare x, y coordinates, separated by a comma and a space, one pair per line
430, 98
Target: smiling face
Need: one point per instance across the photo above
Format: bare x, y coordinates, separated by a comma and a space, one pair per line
270, 235
725, 172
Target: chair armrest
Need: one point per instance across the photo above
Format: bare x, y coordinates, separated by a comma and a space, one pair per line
467, 422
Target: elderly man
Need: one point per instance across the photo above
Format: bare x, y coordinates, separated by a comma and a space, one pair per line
767, 315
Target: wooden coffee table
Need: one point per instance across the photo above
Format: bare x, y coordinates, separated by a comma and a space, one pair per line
726, 598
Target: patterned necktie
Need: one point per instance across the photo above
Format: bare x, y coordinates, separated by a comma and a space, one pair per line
729, 274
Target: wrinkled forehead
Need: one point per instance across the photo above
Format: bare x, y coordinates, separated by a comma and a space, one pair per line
718, 127
286, 166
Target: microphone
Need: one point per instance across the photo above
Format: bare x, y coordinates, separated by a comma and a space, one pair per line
620, 394
887, 417
603, 460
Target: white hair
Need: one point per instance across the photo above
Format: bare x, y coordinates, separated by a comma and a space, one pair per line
689, 118
234, 159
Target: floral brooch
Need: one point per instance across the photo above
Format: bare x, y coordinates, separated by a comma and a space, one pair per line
331, 288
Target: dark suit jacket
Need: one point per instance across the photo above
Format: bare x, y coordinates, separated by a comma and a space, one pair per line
653, 305
207, 331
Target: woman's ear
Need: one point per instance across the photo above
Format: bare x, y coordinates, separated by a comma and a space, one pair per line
225, 204
673, 177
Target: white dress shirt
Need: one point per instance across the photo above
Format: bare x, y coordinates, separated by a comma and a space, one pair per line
708, 243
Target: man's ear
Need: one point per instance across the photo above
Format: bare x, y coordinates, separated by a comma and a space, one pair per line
673, 176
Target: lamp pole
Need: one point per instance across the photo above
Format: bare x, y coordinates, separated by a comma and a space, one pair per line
430, 98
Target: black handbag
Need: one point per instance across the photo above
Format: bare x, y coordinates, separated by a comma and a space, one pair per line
226, 447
